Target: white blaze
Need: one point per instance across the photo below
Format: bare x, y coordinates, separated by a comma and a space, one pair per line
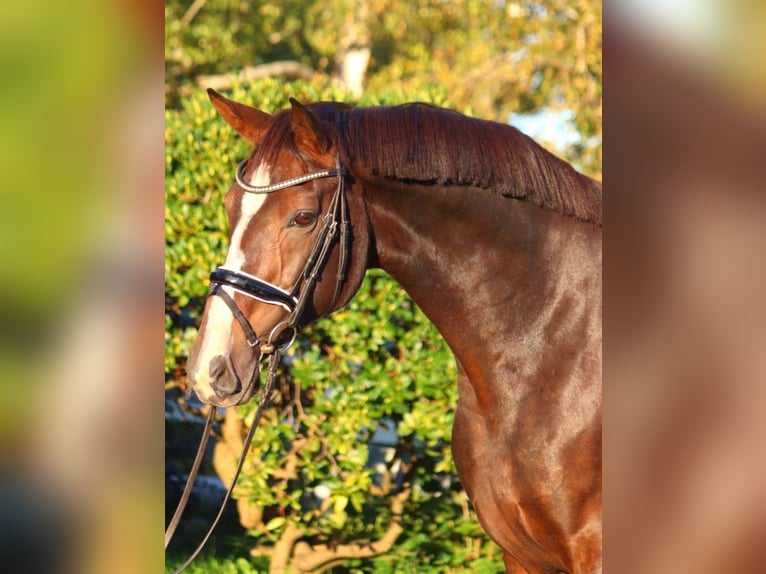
217, 336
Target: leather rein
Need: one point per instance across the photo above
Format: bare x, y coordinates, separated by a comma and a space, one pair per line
335, 225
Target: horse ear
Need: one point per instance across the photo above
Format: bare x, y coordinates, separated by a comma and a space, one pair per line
249, 122
311, 135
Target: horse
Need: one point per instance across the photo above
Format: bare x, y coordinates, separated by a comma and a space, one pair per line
499, 243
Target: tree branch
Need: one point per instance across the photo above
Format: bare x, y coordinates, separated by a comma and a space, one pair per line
192, 12
280, 556
319, 558
288, 68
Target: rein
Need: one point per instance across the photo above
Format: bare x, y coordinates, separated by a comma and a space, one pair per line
265, 401
335, 225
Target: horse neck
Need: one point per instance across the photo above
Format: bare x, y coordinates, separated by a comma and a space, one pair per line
490, 272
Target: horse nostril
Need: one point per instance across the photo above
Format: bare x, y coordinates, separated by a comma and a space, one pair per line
222, 376
217, 367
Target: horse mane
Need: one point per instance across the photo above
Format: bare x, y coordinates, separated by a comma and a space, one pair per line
422, 144
429, 145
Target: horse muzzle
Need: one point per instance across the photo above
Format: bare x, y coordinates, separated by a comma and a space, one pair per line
225, 385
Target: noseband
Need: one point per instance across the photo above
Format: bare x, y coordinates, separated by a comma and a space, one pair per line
335, 225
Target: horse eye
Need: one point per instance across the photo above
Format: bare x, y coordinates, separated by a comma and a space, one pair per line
304, 218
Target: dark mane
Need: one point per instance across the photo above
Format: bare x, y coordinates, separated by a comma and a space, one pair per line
419, 143
422, 144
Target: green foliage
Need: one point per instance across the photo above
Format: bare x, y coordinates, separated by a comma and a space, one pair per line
213, 565
492, 57
316, 464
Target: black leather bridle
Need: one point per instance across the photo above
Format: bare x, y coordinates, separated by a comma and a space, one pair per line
335, 225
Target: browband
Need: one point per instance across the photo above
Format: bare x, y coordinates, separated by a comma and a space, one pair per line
240, 173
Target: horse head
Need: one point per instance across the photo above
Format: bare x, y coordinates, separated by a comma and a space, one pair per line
292, 255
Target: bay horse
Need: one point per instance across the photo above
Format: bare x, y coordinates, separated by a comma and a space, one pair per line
499, 243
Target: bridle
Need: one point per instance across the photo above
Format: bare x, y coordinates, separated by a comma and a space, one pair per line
335, 225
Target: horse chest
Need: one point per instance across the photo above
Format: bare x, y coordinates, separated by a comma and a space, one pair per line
515, 472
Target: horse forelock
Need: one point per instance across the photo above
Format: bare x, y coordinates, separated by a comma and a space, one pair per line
423, 144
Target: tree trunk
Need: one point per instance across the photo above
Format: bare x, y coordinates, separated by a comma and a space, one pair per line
353, 55
225, 456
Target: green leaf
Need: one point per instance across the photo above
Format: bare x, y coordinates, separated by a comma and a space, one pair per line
340, 503
275, 523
